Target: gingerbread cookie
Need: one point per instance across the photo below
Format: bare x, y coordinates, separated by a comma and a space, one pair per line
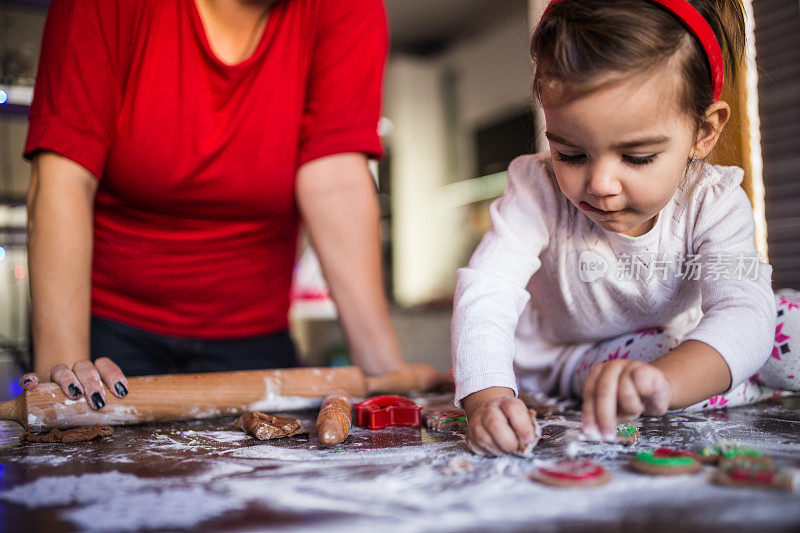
263, 426
572, 473
666, 462
627, 434
446, 421
761, 461
745, 473
80, 434
730, 450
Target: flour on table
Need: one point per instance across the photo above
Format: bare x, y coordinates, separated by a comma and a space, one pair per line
66, 490
153, 509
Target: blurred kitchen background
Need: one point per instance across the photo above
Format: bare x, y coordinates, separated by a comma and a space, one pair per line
457, 109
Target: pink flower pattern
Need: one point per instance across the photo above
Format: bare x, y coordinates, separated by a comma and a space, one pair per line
779, 338
616, 355
716, 402
790, 304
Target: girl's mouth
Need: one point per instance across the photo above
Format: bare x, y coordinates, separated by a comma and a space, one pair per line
592, 209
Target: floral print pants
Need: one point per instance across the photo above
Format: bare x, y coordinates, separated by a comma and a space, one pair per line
779, 376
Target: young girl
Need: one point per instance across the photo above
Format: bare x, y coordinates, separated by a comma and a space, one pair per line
621, 266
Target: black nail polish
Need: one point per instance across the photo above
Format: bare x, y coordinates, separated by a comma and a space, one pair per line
97, 400
74, 390
120, 388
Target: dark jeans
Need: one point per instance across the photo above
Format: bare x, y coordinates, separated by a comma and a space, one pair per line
142, 353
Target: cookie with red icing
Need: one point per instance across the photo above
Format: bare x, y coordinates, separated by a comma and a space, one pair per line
666, 462
572, 473
753, 474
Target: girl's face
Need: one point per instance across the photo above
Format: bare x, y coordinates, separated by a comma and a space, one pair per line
619, 152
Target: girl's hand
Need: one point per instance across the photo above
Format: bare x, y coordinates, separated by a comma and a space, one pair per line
84, 379
499, 425
622, 390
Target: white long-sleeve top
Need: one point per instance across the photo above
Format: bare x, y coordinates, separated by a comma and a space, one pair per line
522, 301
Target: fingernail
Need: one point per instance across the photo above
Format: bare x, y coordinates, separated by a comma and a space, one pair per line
120, 388
26, 381
74, 391
610, 436
97, 400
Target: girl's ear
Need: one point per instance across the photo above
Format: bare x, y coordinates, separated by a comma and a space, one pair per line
709, 131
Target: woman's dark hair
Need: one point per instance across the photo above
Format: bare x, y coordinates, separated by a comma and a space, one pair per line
580, 42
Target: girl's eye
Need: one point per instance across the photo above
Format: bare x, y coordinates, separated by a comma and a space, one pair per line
640, 160
571, 159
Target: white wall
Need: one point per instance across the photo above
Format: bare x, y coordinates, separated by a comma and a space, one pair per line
493, 76
490, 76
418, 169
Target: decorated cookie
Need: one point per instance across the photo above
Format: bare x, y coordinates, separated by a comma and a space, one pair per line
761, 461
627, 434
666, 462
572, 473
730, 450
446, 420
749, 474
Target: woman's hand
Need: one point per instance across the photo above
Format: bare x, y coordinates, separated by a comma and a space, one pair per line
84, 379
428, 378
622, 390
499, 422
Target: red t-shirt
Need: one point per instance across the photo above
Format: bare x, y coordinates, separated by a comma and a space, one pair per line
195, 221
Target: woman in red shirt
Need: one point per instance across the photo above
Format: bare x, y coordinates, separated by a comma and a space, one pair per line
176, 146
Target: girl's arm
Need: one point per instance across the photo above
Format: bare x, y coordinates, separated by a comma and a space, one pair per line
336, 197
695, 371
733, 338
60, 202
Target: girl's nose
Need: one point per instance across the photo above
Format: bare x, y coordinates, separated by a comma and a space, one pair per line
603, 181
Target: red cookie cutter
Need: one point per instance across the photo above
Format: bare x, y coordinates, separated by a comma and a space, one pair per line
383, 411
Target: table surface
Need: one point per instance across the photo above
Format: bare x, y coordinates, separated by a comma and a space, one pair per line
208, 475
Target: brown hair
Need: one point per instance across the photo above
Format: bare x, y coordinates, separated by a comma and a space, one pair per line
580, 42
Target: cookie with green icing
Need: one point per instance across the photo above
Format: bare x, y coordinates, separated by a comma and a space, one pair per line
728, 451
627, 434
666, 462
446, 420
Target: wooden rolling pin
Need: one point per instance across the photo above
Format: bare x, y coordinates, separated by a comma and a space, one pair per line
191, 396
333, 421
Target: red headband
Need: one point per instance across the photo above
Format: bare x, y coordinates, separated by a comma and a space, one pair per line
700, 28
